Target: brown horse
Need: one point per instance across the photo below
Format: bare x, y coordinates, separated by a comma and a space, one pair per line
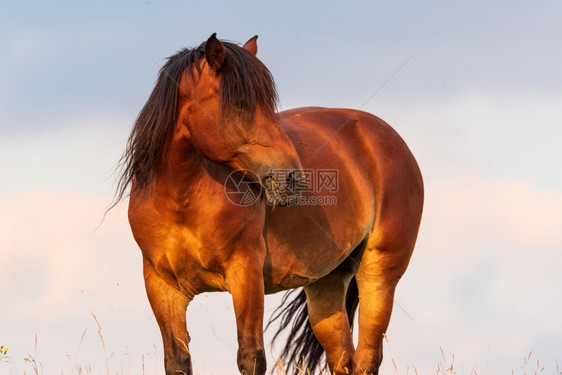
325, 199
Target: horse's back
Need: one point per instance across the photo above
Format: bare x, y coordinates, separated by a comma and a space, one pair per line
358, 132
365, 142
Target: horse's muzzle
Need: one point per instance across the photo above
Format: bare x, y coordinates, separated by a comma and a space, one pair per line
282, 188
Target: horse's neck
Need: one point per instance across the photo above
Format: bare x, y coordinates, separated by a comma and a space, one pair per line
185, 173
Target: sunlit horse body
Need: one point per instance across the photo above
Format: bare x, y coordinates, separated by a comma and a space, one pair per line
212, 112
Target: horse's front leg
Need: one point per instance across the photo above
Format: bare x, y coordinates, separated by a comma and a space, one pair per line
169, 305
245, 282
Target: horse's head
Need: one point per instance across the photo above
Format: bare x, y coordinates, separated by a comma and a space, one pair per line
226, 109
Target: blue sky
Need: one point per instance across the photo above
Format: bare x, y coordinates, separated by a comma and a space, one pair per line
479, 103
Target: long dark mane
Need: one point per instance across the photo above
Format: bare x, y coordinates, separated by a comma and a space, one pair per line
246, 84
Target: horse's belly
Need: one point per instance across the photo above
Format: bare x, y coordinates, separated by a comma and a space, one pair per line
286, 270
291, 267
305, 243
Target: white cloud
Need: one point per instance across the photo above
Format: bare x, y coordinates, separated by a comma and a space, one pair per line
77, 154
496, 133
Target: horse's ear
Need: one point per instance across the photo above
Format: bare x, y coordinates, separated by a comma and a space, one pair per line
252, 45
214, 52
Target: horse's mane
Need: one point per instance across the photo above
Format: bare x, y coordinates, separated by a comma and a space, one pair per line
246, 84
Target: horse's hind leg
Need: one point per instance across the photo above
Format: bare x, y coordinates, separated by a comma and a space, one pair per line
169, 306
328, 318
379, 271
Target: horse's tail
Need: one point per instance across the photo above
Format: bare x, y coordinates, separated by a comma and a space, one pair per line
302, 348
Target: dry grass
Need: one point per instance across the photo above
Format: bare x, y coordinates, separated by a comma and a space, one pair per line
102, 343
32, 364
445, 366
